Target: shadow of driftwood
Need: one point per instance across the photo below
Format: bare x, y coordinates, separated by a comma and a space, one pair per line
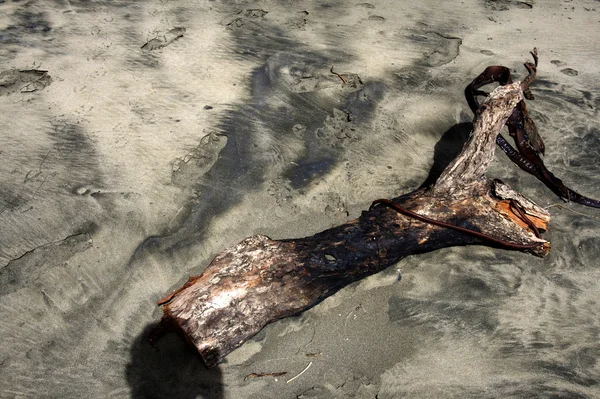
446, 149
169, 369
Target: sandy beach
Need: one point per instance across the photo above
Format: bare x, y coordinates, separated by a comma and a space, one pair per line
140, 138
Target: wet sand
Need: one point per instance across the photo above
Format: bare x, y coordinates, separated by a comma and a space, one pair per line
141, 138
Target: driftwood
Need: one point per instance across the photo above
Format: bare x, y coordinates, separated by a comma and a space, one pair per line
261, 280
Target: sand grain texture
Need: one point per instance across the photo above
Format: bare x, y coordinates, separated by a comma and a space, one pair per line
165, 131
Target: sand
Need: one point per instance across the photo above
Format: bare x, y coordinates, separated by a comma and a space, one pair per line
139, 138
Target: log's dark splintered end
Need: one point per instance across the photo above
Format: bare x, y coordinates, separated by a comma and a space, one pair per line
211, 357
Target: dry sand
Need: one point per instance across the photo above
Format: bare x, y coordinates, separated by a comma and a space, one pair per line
164, 131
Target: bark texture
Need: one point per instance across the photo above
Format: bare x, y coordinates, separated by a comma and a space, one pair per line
261, 280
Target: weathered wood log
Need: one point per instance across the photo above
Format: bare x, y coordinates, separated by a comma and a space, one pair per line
261, 280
